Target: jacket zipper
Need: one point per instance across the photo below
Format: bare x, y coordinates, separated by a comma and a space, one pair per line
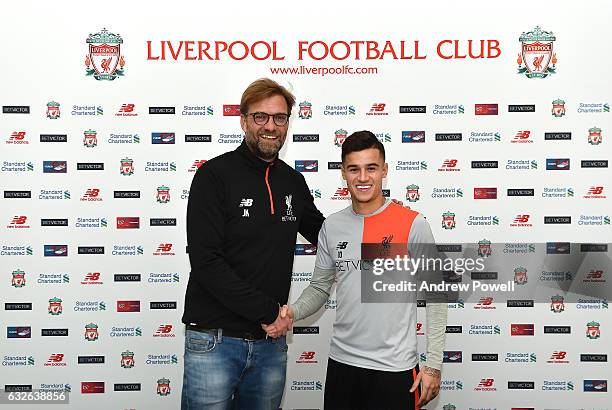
269, 190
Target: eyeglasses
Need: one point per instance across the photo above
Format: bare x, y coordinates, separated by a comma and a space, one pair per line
262, 118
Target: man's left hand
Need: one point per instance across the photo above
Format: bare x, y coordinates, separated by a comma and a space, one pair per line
430, 379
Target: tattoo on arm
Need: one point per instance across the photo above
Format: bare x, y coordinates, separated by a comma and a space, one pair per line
432, 372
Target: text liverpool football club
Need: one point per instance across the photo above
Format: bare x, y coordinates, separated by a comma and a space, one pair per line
198, 50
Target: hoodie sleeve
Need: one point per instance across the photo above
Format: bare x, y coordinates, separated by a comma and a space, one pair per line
422, 245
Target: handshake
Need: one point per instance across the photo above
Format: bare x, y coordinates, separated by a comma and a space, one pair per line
283, 323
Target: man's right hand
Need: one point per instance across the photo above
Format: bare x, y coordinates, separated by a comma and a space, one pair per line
282, 324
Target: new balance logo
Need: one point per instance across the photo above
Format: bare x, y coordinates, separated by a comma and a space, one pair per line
522, 135
486, 383
595, 190
17, 136
340, 247
595, 274
164, 247
164, 329
56, 358
19, 220
521, 220
378, 109
558, 355
91, 193
307, 357
92, 276
127, 108
485, 303
245, 202
197, 164
341, 193
449, 165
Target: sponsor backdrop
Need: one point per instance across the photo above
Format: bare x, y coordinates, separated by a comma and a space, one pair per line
495, 120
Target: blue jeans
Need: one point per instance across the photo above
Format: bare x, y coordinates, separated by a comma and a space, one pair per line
230, 373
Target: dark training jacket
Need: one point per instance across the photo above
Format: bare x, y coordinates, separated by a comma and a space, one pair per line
243, 217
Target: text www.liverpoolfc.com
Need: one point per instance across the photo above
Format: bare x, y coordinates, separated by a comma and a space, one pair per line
323, 71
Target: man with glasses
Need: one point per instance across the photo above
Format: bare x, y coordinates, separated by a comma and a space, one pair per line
244, 212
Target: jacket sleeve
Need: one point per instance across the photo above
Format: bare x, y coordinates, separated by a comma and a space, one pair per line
205, 240
323, 278
312, 218
423, 245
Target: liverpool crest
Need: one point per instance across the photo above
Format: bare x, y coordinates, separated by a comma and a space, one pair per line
163, 387
18, 280
412, 193
288, 203
289, 217
340, 136
595, 136
593, 331
127, 359
386, 246
53, 110
104, 60
127, 166
520, 275
163, 194
305, 110
484, 248
556, 304
448, 220
55, 306
91, 332
537, 59
89, 138
558, 108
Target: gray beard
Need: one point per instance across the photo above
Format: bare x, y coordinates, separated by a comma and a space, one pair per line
267, 153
